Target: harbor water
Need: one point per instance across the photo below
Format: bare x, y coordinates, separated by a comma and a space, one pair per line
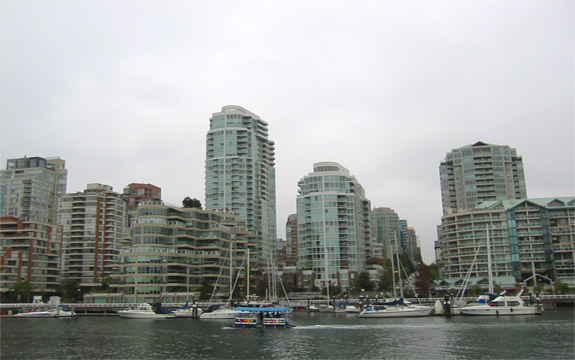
316, 336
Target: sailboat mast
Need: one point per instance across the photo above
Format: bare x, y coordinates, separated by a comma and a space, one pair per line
393, 266
489, 265
248, 276
231, 273
399, 273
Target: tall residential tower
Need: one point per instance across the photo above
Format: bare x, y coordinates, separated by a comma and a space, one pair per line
30, 188
240, 173
480, 172
333, 226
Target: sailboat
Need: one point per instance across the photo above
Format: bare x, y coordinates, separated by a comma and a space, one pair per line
215, 312
504, 304
398, 307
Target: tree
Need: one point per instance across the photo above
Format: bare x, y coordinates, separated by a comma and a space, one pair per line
206, 290
191, 203
70, 290
561, 288
423, 280
365, 281
106, 282
434, 270
21, 291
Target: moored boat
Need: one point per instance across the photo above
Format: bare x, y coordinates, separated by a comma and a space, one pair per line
50, 313
144, 311
188, 311
504, 305
397, 308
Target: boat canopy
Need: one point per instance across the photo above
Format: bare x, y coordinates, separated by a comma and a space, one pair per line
263, 309
394, 302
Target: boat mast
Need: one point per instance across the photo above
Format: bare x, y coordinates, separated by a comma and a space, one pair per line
231, 273
399, 273
187, 284
248, 277
393, 267
489, 265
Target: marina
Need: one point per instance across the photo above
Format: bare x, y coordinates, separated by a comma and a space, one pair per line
315, 336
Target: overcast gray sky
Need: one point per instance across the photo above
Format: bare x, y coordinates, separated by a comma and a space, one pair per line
123, 90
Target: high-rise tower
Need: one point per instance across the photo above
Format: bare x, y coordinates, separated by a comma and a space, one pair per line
94, 224
333, 226
30, 188
240, 173
480, 172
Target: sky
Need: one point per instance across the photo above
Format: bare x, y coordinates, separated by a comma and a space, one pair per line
123, 90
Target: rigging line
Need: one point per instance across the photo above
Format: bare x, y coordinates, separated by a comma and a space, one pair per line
218, 279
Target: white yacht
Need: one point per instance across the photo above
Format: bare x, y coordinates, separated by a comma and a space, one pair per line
503, 305
51, 313
143, 311
221, 313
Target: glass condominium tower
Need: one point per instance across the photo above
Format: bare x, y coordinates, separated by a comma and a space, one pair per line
240, 174
480, 172
333, 225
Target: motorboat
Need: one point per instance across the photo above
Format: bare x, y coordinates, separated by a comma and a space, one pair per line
226, 312
50, 313
144, 311
504, 305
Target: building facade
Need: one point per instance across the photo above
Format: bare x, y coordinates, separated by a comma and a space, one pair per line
180, 249
30, 188
291, 235
385, 230
136, 193
240, 173
480, 172
333, 226
527, 237
94, 223
29, 251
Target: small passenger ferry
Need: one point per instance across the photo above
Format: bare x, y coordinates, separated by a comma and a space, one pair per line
252, 317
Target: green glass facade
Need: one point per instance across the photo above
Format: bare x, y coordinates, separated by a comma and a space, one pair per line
240, 174
333, 225
172, 249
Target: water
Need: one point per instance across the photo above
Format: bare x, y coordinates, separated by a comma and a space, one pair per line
316, 336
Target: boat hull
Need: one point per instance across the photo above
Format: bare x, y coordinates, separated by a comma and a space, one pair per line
38, 314
481, 310
216, 315
393, 313
188, 313
143, 315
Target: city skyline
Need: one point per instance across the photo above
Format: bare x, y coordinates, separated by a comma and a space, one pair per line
388, 95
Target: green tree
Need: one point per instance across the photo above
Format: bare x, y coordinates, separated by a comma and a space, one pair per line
365, 281
191, 203
70, 290
21, 291
434, 270
475, 290
561, 288
206, 290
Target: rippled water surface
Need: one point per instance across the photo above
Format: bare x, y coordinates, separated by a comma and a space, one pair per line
316, 336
